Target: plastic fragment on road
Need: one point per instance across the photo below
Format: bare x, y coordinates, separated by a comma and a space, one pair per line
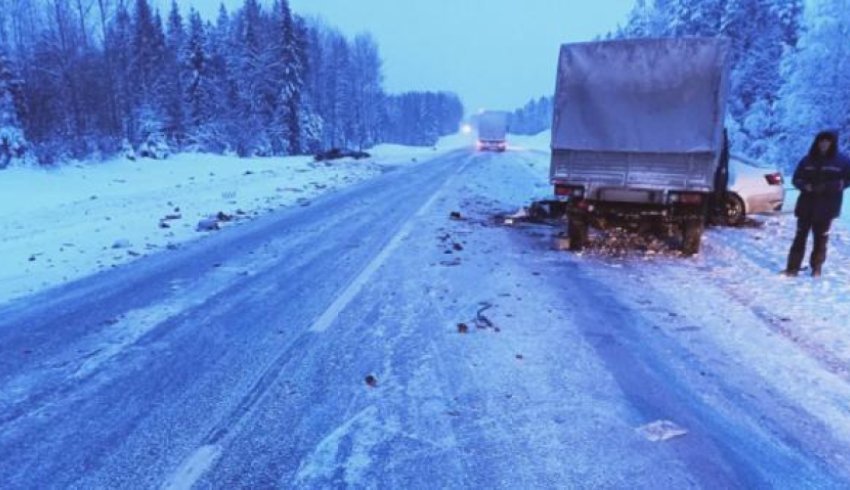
661, 430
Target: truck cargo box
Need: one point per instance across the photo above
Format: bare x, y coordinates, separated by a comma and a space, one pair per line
492, 130
636, 116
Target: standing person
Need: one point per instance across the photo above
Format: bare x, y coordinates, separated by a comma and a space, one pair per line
821, 178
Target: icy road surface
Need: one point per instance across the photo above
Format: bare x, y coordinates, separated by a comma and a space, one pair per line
320, 347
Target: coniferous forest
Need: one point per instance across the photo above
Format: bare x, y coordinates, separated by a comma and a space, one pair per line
93, 78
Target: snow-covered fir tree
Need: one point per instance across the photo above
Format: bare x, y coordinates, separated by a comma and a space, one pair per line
13, 144
367, 91
696, 17
199, 91
171, 83
817, 93
289, 74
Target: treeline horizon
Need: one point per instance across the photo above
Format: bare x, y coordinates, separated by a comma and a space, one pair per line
92, 78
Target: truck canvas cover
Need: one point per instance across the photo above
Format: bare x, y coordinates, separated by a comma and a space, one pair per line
640, 113
492, 126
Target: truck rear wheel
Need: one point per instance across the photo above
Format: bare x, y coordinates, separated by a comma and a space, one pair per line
577, 231
692, 236
734, 210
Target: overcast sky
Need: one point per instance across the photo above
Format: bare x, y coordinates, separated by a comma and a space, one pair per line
495, 54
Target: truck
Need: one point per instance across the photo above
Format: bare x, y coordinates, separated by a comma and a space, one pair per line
492, 131
638, 136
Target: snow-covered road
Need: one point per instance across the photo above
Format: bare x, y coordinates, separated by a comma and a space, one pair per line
321, 346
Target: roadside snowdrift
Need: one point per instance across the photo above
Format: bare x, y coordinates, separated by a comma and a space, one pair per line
65, 223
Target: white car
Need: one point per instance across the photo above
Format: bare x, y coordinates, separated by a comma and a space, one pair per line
754, 187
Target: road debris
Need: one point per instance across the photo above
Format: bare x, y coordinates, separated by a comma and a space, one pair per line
661, 430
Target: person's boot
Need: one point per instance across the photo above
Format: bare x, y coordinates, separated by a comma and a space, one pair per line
816, 271
792, 269
795, 260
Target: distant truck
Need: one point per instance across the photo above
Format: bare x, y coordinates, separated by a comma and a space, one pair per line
492, 131
638, 137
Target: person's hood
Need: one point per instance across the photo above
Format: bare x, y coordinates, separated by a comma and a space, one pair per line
832, 136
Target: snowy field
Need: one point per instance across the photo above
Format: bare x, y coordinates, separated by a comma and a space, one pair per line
68, 222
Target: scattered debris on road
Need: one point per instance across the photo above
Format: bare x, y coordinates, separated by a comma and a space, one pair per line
539, 212
122, 243
661, 430
208, 224
481, 321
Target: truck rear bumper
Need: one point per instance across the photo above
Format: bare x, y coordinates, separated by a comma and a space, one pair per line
630, 213
492, 145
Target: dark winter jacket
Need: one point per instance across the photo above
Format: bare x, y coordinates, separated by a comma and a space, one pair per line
821, 180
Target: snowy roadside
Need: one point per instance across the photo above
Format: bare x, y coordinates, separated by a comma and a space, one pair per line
69, 222
536, 143
781, 341
732, 299
746, 262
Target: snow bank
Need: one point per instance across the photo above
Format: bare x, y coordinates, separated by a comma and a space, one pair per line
65, 223
539, 142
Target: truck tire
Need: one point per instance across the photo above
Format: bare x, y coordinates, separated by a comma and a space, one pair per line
734, 210
692, 236
577, 231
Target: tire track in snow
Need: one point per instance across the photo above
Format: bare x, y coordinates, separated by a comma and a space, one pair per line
332, 313
200, 461
90, 354
761, 259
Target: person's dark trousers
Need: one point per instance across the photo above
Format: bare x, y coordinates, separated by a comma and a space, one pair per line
820, 230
